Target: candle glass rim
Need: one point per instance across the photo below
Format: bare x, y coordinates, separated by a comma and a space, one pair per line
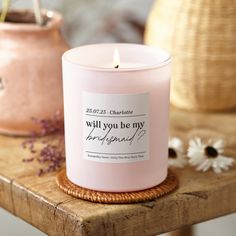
150, 66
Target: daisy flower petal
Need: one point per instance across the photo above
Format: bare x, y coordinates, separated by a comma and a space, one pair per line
204, 156
176, 157
219, 144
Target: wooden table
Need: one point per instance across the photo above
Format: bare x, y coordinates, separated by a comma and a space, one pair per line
200, 197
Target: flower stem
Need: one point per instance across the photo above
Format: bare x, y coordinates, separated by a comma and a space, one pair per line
5, 7
37, 12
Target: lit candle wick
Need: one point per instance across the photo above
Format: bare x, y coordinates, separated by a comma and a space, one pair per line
116, 59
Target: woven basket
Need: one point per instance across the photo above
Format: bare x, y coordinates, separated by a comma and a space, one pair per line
201, 35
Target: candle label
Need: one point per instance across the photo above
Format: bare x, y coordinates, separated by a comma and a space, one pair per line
116, 127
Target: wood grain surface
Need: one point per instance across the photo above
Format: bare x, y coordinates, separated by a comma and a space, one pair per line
200, 197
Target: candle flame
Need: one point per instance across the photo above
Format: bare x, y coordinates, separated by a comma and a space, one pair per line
116, 59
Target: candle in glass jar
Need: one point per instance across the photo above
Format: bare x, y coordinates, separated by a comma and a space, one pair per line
116, 119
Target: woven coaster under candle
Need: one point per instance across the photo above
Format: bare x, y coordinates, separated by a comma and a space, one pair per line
167, 186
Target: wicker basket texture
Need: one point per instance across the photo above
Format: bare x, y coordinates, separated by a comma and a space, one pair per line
201, 36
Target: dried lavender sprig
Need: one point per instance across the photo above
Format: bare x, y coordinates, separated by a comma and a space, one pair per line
52, 156
49, 126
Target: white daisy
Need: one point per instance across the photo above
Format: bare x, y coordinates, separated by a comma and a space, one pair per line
208, 155
176, 153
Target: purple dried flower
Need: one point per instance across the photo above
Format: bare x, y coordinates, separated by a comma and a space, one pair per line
52, 152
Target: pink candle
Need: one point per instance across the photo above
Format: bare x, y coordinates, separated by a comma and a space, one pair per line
116, 119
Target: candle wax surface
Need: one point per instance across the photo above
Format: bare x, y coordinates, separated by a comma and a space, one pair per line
123, 65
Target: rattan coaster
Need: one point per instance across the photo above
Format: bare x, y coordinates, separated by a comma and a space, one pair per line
167, 186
